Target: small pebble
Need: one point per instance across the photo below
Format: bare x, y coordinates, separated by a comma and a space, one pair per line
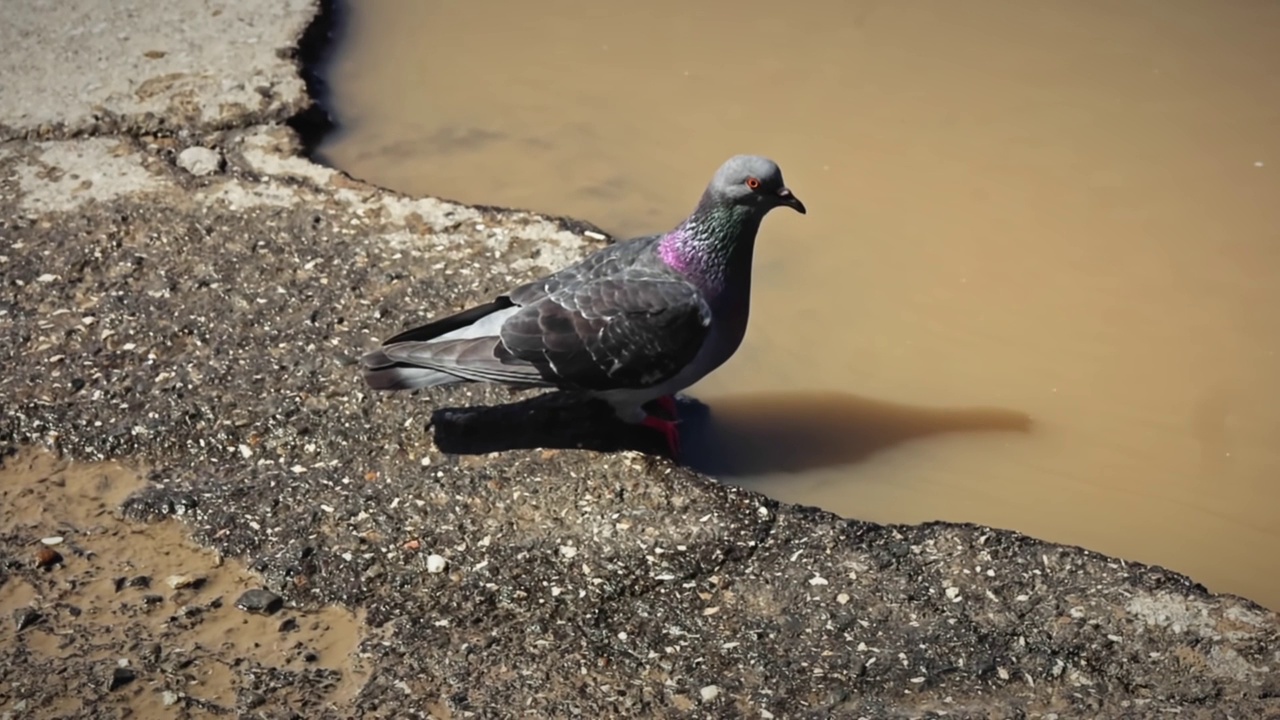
568, 551
24, 618
120, 677
52, 540
257, 600
842, 598
288, 625
709, 693
436, 563
139, 581
169, 697
177, 582
200, 161
47, 557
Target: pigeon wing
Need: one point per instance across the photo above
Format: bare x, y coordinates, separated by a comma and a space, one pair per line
624, 330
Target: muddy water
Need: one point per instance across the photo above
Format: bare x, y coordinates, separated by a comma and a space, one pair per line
1064, 209
113, 590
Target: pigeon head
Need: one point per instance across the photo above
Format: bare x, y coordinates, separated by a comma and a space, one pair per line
713, 246
754, 182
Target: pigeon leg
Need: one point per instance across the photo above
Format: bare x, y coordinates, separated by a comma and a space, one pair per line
667, 403
668, 430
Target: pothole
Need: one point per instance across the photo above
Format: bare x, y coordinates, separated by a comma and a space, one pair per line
96, 610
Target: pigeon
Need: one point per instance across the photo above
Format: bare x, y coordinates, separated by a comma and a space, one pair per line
631, 324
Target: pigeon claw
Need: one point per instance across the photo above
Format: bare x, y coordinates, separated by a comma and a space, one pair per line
669, 431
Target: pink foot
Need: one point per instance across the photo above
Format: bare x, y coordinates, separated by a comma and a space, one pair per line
669, 431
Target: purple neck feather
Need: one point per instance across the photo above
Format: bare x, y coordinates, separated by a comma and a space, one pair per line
674, 250
713, 247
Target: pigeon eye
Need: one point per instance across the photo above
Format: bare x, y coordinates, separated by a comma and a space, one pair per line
753, 183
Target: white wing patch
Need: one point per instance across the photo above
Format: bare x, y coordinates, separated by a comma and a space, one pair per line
488, 326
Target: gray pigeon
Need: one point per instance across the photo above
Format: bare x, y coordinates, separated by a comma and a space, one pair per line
635, 322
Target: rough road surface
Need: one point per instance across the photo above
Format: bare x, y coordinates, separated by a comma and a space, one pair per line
182, 296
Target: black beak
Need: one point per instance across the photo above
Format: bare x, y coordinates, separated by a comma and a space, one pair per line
786, 198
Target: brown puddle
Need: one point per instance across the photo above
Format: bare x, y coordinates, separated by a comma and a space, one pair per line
190, 652
1068, 210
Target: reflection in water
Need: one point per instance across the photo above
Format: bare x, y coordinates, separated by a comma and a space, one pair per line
750, 435
1067, 208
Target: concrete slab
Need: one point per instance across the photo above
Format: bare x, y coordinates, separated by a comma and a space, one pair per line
71, 66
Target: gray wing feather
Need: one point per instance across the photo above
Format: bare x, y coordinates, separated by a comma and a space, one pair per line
617, 319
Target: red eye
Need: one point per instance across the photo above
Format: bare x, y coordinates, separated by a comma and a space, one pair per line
753, 183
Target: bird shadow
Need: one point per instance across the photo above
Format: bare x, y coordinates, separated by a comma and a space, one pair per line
560, 420
737, 436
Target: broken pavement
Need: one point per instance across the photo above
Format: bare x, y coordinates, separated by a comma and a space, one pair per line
183, 293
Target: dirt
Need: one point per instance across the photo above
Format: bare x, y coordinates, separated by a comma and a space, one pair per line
110, 602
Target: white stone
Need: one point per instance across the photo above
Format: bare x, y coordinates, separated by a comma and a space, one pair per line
709, 693
200, 160
436, 563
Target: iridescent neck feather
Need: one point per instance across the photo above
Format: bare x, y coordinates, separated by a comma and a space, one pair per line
713, 245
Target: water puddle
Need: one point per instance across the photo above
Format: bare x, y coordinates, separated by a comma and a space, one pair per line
93, 590
1066, 211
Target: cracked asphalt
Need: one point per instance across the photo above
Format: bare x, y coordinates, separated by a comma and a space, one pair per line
202, 329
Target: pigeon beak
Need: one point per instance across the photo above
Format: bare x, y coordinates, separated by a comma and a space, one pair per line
785, 197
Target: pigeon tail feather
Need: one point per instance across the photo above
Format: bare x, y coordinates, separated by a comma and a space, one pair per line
459, 348
382, 373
